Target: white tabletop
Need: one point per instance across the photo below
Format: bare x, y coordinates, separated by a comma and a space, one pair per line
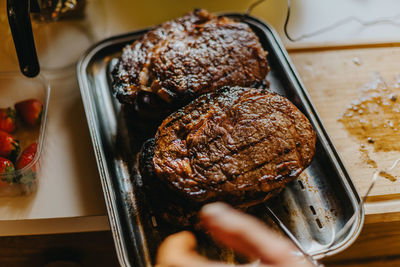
306, 16
69, 198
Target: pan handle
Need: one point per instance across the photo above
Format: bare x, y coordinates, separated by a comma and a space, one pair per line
20, 24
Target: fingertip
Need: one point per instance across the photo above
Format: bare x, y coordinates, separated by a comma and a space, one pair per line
180, 250
184, 234
177, 245
214, 211
185, 237
215, 208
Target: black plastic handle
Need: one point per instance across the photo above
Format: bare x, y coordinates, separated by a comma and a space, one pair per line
20, 23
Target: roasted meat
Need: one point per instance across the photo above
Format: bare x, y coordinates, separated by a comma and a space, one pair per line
238, 145
184, 58
166, 204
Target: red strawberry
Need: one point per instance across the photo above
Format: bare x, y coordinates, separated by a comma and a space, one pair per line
7, 120
27, 156
6, 166
30, 111
9, 146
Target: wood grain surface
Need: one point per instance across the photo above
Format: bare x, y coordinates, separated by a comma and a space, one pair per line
74, 250
334, 78
378, 245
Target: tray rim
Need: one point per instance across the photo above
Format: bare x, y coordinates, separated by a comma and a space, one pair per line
108, 191
306, 100
90, 112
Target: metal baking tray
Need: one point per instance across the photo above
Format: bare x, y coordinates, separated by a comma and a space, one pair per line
315, 207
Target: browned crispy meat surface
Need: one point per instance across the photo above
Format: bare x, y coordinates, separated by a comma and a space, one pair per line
236, 145
184, 58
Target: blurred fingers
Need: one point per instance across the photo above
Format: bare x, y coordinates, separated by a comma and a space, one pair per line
179, 250
245, 234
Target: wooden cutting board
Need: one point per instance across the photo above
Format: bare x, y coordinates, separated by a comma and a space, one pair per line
334, 78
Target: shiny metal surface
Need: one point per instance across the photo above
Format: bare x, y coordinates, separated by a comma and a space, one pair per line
315, 207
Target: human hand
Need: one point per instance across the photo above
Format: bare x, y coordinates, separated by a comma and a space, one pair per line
239, 231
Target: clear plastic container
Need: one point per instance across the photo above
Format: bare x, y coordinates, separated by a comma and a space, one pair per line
14, 88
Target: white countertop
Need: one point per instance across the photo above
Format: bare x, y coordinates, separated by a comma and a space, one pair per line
69, 198
306, 16
69, 188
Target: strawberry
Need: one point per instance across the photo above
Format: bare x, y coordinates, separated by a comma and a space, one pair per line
7, 120
6, 166
9, 146
27, 156
30, 111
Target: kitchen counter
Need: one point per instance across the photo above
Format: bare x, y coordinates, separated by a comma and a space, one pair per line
70, 199
69, 196
335, 78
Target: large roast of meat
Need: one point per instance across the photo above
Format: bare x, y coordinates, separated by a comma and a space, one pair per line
237, 145
184, 58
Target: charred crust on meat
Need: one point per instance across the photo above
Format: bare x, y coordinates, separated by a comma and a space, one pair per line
187, 57
146, 167
169, 207
235, 145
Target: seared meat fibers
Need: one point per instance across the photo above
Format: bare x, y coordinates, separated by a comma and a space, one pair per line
235, 145
166, 204
187, 57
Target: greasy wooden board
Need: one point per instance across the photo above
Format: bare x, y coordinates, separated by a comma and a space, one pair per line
333, 78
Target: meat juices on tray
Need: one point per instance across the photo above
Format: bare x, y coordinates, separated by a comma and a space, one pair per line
184, 58
237, 145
